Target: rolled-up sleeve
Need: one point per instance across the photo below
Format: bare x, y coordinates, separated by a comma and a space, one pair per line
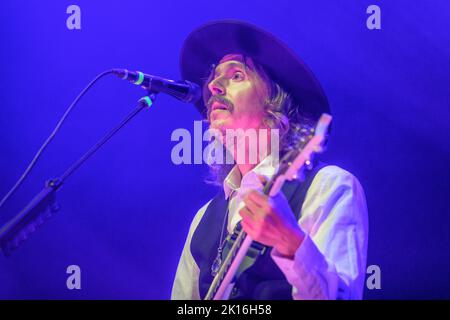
331, 260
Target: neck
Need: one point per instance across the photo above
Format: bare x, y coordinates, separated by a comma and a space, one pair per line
251, 154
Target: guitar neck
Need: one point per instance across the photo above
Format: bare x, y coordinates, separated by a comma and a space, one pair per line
290, 165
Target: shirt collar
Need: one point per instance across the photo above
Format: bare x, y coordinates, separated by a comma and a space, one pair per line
233, 180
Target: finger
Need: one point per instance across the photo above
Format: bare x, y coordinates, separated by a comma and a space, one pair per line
256, 210
258, 197
248, 228
246, 214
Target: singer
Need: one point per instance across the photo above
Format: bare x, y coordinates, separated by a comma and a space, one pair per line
311, 238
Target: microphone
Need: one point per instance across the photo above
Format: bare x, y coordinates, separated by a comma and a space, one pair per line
184, 90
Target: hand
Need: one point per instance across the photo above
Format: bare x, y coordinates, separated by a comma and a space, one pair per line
270, 221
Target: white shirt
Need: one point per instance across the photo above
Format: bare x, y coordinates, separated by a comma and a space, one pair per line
330, 263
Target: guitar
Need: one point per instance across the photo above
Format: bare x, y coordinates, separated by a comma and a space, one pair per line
290, 166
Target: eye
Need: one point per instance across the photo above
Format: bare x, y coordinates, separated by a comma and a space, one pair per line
238, 76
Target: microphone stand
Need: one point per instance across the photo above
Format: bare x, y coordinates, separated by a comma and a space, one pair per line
44, 204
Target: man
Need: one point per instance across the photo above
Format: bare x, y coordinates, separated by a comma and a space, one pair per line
311, 238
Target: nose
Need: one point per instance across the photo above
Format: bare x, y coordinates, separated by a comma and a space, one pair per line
216, 87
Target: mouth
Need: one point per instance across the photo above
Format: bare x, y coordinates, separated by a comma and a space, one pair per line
218, 106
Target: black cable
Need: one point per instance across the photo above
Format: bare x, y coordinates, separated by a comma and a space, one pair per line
52, 135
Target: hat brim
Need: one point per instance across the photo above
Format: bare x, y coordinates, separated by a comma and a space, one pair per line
209, 43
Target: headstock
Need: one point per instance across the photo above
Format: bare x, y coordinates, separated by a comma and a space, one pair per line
294, 160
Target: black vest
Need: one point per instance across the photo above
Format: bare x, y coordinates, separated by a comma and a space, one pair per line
263, 280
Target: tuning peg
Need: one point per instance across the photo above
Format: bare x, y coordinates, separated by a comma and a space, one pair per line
318, 149
308, 164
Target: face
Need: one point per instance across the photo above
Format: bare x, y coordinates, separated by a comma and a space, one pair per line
237, 95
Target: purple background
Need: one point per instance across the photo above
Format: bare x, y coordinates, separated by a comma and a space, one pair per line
126, 213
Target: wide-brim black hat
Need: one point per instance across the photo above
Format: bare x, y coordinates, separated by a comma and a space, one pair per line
209, 43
